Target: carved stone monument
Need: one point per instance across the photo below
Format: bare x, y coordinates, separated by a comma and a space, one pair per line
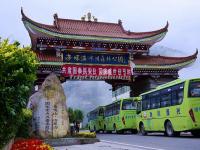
50, 116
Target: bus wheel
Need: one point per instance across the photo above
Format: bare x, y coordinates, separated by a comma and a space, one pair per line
134, 131
97, 131
114, 128
142, 130
169, 129
89, 129
196, 133
104, 129
120, 131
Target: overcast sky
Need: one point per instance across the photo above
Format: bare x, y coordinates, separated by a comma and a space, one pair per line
137, 15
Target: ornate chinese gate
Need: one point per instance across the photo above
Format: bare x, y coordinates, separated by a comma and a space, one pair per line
90, 50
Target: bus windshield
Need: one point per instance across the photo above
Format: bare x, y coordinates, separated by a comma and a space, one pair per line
128, 105
194, 89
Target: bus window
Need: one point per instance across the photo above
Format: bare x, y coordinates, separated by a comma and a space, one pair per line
116, 108
138, 107
92, 115
174, 98
145, 104
107, 111
194, 89
165, 100
177, 97
155, 102
128, 105
180, 96
110, 111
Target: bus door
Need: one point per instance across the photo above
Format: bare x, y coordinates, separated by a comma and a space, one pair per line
155, 113
194, 101
101, 118
146, 118
129, 113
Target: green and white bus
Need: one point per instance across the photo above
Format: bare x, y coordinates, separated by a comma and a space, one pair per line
121, 115
171, 108
96, 119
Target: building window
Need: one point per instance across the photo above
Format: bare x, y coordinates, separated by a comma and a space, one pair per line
120, 91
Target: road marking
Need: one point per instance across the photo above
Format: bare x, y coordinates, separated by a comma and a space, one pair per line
132, 145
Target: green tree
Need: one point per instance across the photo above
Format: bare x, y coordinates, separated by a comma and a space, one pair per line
17, 75
71, 114
78, 115
75, 115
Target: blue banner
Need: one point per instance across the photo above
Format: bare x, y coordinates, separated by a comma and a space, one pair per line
75, 57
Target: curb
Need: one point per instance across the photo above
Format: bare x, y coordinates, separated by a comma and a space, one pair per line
70, 141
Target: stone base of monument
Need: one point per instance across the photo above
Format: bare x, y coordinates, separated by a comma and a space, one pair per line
70, 141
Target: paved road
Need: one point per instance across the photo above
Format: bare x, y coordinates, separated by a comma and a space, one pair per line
100, 146
154, 141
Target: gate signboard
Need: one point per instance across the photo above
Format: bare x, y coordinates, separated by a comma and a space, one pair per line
96, 72
96, 58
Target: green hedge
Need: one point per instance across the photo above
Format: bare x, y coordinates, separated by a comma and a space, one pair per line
24, 129
86, 134
17, 74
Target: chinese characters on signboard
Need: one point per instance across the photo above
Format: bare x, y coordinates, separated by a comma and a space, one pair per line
47, 117
55, 116
96, 58
96, 72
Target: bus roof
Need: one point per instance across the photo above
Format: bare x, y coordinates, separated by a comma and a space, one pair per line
97, 108
137, 98
133, 98
174, 82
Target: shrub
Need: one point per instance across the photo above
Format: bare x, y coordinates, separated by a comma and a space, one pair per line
24, 128
86, 134
17, 74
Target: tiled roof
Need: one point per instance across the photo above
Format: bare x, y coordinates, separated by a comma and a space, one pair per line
90, 28
162, 60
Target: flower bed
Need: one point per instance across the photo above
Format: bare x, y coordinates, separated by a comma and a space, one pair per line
86, 134
30, 144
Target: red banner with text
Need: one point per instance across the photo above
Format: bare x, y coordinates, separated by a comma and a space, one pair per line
96, 72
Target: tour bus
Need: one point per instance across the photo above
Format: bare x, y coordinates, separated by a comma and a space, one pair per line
96, 119
171, 108
121, 115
